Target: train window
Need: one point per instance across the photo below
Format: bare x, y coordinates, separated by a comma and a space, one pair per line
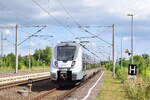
65, 53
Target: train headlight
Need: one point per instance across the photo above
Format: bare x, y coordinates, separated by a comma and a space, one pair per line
56, 63
73, 63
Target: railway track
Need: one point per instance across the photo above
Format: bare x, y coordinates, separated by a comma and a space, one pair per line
60, 94
42, 89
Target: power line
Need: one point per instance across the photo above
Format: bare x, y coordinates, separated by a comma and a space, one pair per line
79, 25
9, 41
104, 51
67, 12
88, 50
47, 12
102, 31
16, 40
87, 26
37, 35
56, 20
32, 35
96, 36
20, 26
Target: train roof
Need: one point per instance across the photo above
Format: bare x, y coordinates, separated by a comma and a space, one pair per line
68, 43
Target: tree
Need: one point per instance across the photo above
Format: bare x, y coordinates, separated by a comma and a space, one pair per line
43, 56
47, 55
146, 58
141, 64
9, 60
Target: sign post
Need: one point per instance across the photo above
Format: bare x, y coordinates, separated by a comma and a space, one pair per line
132, 71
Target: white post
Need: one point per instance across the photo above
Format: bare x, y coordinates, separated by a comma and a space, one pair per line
1, 49
16, 48
113, 49
131, 15
132, 38
29, 55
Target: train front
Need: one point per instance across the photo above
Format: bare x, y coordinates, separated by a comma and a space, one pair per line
66, 66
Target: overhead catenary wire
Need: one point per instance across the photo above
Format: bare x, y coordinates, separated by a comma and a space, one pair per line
104, 51
32, 35
79, 25
106, 29
20, 26
56, 20
88, 50
87, 26
37, 35
9, 41
46, 11
96, 36
76, 23
16, 40
103, 54
67, 12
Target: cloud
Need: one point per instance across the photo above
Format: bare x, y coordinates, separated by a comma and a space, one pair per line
85, 12
32, 44
125, 38
6, 31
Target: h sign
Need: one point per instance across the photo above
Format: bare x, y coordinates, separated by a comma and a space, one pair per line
132, 69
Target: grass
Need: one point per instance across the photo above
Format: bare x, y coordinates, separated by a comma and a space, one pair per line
111, 89
148, 72
8, 69
42, 68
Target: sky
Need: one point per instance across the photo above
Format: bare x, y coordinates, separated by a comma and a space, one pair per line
63, 17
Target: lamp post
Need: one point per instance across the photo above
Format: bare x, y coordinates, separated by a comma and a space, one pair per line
131, 15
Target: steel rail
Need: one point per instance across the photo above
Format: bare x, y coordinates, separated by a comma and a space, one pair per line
67, 93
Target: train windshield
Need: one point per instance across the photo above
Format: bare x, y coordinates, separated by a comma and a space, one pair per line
65, 53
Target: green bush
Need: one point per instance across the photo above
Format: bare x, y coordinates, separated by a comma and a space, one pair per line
122, 74
148, 90
137, 89
109, 66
